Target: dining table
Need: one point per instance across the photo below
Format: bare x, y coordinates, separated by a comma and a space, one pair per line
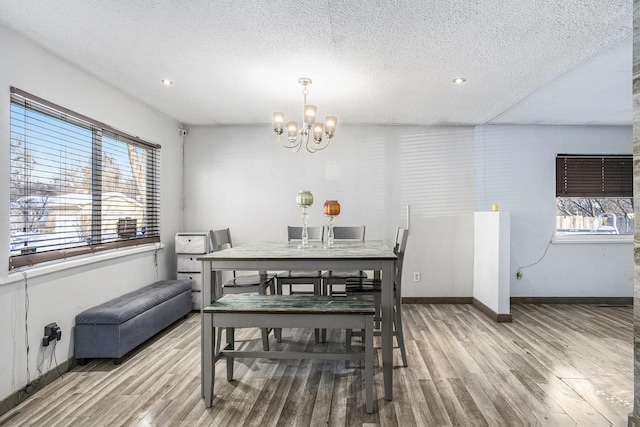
369, 255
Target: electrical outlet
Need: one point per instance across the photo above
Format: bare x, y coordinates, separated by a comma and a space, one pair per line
52, 332
518, 275
416, 276
32, 387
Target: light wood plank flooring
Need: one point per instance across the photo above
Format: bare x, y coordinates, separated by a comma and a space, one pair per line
557, 365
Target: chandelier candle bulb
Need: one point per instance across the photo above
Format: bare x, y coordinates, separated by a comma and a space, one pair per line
330, 123
292, 131
278, 122
310, 114
317, 132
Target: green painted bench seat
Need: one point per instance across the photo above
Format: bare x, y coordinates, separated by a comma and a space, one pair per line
292, 311
291, 304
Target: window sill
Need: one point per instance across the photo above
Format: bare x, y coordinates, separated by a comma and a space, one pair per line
17, 275
598, 239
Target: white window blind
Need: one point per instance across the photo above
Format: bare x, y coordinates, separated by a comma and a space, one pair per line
77, 185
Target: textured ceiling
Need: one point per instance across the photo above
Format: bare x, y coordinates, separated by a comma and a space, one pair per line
389, 62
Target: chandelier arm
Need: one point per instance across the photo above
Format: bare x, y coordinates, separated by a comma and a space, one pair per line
309, 149
319, 147
297, 145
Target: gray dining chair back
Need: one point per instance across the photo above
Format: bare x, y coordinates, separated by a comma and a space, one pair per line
349, 232
374, 287
402, 235
331, 278
302, 279
295, 278
221, 239
315, 233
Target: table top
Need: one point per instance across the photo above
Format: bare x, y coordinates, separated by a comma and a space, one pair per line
369, 249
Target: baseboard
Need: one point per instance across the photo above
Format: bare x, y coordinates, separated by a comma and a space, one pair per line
36, 385
625, 301
498, 317
633, 420
437, 300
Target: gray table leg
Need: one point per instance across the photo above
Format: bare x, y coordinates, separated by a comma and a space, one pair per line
368, 364
206, 296
387, 328
208, 361
230, 346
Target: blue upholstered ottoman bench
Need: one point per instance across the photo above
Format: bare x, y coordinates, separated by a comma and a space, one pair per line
112, 329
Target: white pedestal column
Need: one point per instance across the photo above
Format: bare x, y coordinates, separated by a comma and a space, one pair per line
491, 268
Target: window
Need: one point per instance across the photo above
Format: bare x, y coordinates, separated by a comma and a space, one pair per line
594, 194
77, 186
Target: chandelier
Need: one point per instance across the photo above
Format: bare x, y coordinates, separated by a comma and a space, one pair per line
299, 136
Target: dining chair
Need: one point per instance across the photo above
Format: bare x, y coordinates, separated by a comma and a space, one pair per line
240, 284
309, 277
366, 286
292, 278
333, 278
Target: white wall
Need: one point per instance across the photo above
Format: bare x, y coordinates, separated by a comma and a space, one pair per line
238, 177
515, 167
58, 297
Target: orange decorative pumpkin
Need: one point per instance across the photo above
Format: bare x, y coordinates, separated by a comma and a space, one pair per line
332, 207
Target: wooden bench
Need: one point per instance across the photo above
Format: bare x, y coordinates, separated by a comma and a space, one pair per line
289, 311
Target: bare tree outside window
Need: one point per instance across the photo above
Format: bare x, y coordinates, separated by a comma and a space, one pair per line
594, 194
613, 215
73, 181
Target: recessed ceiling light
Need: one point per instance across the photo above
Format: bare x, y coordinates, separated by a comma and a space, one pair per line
167, 82
459, 80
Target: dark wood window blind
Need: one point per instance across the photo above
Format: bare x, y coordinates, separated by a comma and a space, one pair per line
78, 186
594, 175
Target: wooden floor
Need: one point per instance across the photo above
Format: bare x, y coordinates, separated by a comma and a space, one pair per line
558, 365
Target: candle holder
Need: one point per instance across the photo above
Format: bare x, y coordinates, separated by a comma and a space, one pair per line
331, 210
330, 236
304, 200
